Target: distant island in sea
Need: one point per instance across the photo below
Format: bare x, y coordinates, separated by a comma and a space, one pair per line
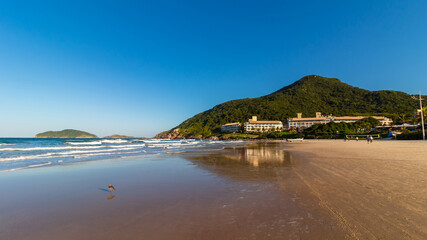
66, 133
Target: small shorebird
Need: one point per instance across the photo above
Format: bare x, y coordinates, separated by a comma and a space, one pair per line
111, 188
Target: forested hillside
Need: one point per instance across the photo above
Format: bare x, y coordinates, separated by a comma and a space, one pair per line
308, 95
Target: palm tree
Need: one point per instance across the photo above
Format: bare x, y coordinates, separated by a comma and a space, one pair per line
403, 117
425, 112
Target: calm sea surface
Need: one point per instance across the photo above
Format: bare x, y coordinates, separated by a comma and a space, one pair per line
21, 153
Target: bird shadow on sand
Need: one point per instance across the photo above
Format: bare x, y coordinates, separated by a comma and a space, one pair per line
111, 196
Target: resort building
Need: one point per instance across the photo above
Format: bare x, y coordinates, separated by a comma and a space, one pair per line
231, 127
253, 125
300, 122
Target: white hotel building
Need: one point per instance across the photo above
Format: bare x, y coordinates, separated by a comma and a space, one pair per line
253, 125
300, 122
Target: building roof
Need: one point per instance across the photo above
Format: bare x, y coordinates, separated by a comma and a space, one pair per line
338, 118
358, 117
229, 124
265, 122
308, 119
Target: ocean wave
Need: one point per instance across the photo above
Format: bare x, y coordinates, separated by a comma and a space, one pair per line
85, 143
29, 166
65, 154
50, 148
105, 154
171, 144
20, 158
153, 140
39, 165
128, 145
95, 151
6, 144
114, 141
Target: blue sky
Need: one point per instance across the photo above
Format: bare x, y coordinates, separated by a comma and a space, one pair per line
138, 68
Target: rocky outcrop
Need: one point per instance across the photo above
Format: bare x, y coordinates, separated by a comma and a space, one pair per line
173, 134
176, 134
212, 138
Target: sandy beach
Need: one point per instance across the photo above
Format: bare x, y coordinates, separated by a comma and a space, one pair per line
311, 190
372, 191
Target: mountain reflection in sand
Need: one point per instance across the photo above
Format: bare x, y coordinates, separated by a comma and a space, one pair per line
258, 161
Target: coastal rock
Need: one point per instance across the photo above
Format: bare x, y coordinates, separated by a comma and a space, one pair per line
212, 138
173, 134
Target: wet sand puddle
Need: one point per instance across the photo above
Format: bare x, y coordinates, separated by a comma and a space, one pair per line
241, 192
268, 202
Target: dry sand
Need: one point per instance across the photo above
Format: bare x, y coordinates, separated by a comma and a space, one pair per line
309, 190
372, 191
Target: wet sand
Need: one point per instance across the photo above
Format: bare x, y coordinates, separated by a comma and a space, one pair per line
309, 190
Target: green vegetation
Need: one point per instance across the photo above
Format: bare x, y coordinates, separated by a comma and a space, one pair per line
366, 123
239, 136
309, 95
66, 133
409, 135
281, 135
340, 130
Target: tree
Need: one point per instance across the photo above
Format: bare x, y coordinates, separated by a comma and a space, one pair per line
403, 118
367, 123
424, 113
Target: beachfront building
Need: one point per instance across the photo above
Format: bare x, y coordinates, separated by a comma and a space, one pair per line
300, 122
253, 125
231, 127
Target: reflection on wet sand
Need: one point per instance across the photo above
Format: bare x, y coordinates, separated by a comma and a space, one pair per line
257, 161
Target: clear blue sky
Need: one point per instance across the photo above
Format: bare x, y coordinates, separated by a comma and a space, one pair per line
138, 68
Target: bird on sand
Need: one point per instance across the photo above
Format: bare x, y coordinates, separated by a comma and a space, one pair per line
111, 188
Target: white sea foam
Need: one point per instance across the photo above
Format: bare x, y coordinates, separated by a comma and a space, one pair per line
170, 144
80, 149
95, 151
67, 154
39, 165
19, 158
127, 145
85, 143
104, 154
10, 170
152, 140
50, 148
30, 166
114, 141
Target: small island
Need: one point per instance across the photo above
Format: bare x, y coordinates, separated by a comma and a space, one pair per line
66, 133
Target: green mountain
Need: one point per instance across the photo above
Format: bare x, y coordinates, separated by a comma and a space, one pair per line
308, 95
66, 133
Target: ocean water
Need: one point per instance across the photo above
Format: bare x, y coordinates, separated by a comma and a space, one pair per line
22, 153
